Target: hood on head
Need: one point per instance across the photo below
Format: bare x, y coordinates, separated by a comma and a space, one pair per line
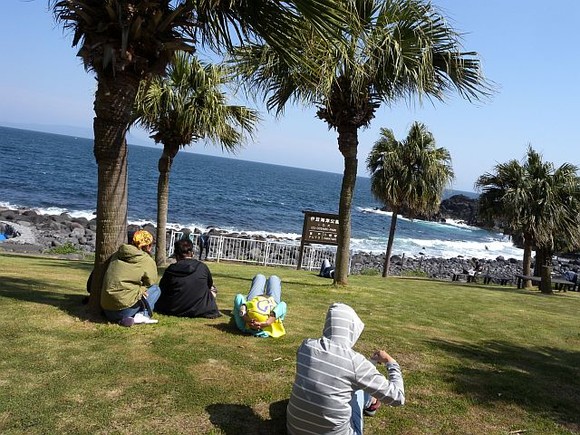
130, 253
342, 325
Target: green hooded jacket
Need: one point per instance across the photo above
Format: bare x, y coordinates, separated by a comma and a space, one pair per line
130, 273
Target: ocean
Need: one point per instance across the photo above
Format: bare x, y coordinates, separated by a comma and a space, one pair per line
55, 173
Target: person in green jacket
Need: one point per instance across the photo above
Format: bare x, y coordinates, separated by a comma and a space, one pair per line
130, 289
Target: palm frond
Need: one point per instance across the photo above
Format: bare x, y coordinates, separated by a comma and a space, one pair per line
189, 104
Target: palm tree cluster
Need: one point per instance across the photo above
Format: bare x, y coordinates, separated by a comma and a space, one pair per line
409, 175
346, 57
537, 203
125, 42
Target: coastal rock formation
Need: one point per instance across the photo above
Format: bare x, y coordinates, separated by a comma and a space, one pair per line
461, 208
457, 207
438, 268
40, 233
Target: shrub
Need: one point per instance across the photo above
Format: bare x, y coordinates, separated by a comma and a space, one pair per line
66, 248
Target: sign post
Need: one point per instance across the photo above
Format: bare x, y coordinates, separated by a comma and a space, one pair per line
319, 228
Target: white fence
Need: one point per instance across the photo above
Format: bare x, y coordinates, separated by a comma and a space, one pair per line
264, 252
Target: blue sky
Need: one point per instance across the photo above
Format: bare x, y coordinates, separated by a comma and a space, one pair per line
530, 49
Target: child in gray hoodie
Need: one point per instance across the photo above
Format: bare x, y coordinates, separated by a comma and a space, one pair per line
334, 383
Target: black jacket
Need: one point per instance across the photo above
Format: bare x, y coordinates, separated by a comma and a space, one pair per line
185, 291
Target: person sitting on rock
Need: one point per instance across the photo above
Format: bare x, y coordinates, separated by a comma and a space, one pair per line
130, 289
9, 231
187, 288
261, 313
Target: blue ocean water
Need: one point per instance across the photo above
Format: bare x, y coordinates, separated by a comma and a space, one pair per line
55, 173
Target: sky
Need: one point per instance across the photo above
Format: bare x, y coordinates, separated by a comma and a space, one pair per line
529, 49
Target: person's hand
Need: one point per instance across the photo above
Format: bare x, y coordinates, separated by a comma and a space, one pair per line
382, 357
145, 294
254, 324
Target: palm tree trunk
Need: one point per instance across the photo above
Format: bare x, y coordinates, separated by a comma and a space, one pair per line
544, 265
539, 262
164, 166
527, 261
390, 244
113, 105
347, 144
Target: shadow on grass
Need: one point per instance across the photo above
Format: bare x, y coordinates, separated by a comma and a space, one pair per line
54, 260
235, 419
33, 290
69, 264
230, 327
543, 380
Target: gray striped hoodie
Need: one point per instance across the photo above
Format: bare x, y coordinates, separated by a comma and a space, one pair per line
328, 371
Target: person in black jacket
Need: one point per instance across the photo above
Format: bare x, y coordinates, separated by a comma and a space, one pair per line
187, 288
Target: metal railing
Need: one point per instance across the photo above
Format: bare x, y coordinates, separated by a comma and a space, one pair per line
264, 252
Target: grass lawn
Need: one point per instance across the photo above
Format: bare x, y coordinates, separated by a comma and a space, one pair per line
476, 359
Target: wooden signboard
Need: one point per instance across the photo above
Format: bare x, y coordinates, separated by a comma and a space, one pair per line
319, 228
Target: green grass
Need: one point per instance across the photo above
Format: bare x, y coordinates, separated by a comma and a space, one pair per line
476, 359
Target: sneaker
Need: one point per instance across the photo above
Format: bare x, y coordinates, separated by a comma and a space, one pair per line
127, 321
141, 317
372, 410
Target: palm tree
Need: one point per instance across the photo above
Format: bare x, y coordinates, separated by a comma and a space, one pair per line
504, 196
408, 175
183, 107
535, 201
395, 49
127, 41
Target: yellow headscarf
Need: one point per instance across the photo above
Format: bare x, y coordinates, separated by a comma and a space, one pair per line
142, 238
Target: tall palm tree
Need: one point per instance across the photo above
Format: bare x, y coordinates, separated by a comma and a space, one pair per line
537, 201
187, 105
408, 175
395, 49
127, 41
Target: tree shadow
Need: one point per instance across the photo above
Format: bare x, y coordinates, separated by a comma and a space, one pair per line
544, 380
234, 419
55, 260
34, 290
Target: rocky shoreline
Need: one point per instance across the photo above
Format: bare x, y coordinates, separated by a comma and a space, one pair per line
43, 234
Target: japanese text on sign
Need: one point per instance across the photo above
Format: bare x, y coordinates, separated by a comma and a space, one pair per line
320, 228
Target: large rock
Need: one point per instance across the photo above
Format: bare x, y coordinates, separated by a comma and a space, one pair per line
457, 207
461, 208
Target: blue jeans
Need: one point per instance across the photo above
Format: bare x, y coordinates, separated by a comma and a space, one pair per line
153, 294
272, 287
360, 400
